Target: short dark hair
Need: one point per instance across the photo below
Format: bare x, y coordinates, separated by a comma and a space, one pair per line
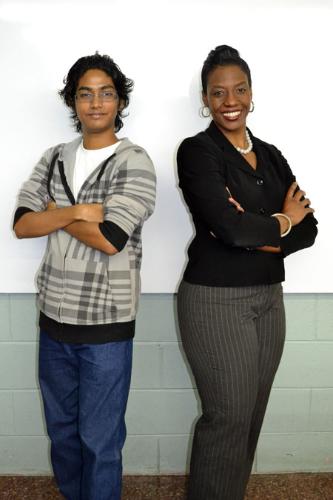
105, 63
223, 55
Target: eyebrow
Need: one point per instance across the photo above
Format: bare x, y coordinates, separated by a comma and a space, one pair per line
217, 86
102, 87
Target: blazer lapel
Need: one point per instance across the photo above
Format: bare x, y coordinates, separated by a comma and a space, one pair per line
230, 154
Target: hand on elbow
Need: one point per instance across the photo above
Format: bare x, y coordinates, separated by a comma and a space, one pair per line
295, 205
109, 249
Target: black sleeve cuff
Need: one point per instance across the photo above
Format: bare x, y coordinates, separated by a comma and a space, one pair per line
301, 236
19, 212
114, 234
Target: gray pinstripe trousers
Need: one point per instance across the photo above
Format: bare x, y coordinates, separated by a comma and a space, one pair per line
233, 338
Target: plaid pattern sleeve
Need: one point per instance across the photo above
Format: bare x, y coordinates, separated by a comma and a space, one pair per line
131, 197
34, 194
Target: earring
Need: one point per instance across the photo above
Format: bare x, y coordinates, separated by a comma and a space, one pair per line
204, 112
252, 107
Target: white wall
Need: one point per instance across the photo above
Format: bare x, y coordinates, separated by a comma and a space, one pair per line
161, 45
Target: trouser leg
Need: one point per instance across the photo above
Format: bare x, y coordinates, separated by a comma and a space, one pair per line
271, 328
59, 382
105, 372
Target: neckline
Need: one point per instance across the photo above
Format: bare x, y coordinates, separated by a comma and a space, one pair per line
105, 148
223, 143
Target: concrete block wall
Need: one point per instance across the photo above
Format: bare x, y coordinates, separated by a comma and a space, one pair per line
163, 405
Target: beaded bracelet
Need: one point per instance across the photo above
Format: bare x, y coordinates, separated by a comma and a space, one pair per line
289, 222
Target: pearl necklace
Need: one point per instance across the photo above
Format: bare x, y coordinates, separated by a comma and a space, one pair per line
250, 145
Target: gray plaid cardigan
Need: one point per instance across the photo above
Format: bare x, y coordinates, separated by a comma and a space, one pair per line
77, 284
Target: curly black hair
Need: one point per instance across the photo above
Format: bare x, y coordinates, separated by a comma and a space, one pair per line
105, 63
223, 55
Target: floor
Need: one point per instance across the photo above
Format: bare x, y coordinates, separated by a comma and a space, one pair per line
261, 487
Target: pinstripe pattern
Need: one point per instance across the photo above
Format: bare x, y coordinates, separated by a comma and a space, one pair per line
233, 338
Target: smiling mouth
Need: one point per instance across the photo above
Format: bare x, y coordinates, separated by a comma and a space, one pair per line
96, 115
231, 114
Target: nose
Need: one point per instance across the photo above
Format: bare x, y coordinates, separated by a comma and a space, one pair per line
96, 101
230, 99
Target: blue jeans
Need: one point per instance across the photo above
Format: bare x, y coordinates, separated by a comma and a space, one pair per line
85, 390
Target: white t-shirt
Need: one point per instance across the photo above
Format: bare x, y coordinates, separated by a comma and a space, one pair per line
86, 161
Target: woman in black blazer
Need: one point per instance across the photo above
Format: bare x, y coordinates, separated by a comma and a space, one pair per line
248, 214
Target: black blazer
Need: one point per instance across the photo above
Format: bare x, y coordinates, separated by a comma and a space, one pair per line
223, 251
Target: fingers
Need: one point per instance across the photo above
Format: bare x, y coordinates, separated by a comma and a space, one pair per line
306, 202
233, 201
51, 205
236, 204
291, 190
299, 195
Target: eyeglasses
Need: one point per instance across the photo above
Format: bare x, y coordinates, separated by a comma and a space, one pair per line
104, 96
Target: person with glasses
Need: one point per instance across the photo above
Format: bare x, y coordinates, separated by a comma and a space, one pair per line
90, 197
249, 214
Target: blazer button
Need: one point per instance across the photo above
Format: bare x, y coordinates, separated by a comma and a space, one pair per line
262, 210
260, 182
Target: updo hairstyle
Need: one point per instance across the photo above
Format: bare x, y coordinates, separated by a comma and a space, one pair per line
223, 55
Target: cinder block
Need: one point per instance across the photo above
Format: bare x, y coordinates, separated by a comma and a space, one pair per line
28, 413
175, 454
23, 317
5, 331
306, 364
24, 455
176, 372
297, 452
325, 317
146, 372
163, 405
140, 455
161, 412
300, 316
156, 321
18, 366
287, 411
6, 414
321, 412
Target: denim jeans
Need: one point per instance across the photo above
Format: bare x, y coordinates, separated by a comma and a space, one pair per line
85, 390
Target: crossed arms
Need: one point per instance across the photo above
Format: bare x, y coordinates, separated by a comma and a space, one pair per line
81, 221
105, 226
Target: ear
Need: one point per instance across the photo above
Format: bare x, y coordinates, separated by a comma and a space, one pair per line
120, 105
204, 99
